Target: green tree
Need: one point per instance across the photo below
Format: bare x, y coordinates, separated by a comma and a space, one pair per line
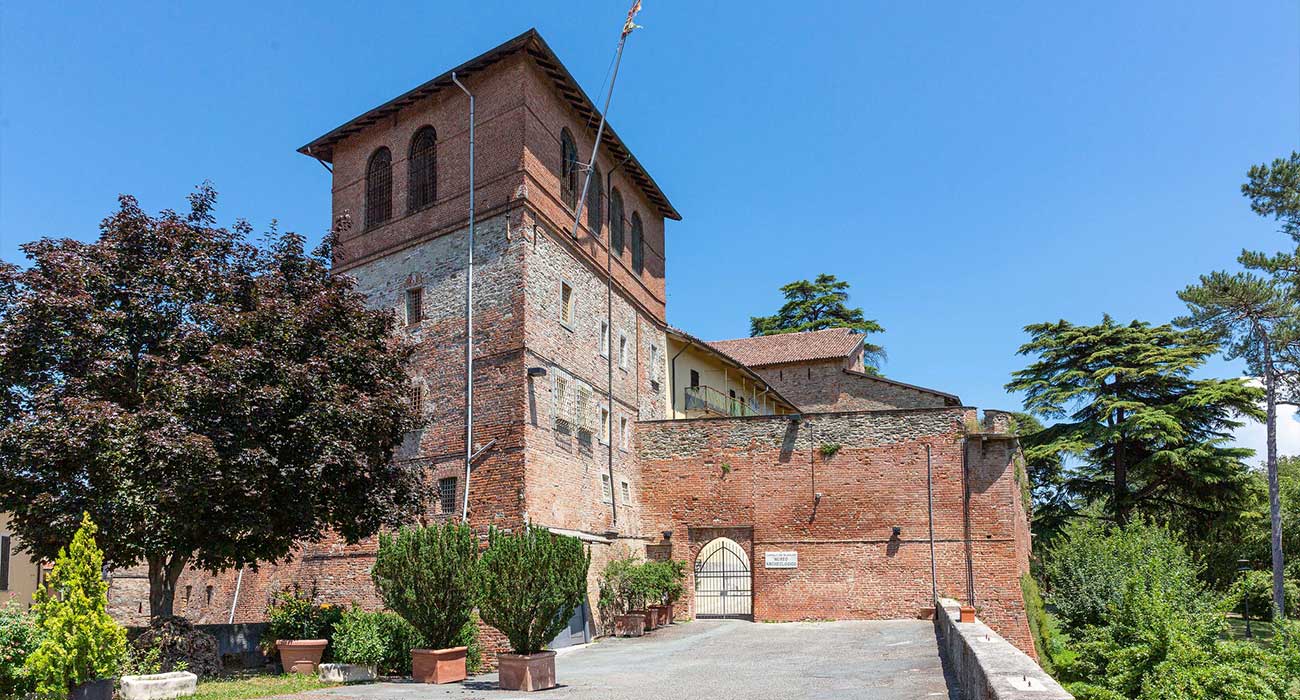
208, 401
428, 576
1255, 317
531, 582
1051, 503
818, 305
81, 641
1148, 436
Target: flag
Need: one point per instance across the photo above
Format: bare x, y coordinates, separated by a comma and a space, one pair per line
629, 25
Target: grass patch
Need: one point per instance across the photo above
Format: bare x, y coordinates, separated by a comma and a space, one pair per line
1262, 631
258, 686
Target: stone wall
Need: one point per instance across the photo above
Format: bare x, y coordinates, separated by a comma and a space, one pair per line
986, 666
827, 386
765, 474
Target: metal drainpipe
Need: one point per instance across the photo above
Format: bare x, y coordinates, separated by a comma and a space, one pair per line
469, 314
672, 368
965, 512
929, 498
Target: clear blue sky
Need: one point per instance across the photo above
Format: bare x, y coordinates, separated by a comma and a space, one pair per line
968, 169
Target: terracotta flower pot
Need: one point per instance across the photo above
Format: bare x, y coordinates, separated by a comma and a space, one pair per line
301, 655
438, 665
527, 673
967, 614
661, 615
648, 615
630, 625
668, 611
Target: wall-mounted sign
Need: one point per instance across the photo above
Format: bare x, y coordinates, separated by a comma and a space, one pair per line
780, 560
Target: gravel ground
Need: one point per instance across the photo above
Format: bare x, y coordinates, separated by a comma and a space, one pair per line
724, 660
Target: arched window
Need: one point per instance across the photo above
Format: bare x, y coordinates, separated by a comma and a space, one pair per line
568, 169
595, 191
616, 221
379, 188
637, 244
422, 169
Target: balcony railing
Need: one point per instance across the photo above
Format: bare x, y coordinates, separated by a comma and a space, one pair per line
706, 398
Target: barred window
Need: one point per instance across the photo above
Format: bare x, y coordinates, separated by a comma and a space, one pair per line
595, 191
568, 169
606, 489
422, 173
416, 399
563, 419
616, 221
447, 494
379, 188
626, 490
566, 304
414, 305
637, 244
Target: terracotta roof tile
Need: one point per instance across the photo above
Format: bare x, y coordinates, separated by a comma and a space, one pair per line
828, 344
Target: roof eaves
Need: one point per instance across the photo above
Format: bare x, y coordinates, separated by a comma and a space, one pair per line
740, 365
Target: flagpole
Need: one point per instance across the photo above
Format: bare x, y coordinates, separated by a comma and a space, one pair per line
628, 26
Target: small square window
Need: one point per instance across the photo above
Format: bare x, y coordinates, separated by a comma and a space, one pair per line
447, 494
414, 306
604, 339
625, 492
566, 304
606, 491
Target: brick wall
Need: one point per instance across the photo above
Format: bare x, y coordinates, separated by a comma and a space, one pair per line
763, 473
827, 386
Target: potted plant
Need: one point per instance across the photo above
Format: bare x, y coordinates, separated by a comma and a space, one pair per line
298, 629
674, 571
655, 592
427, 575
358, 645
530, 584
639, 590
615, 586
82, 646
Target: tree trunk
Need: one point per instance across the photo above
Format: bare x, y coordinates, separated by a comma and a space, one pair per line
164, 572
1121, 477
1274, 490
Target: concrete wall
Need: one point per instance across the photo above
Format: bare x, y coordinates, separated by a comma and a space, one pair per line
761, 474
24, 572
986, 665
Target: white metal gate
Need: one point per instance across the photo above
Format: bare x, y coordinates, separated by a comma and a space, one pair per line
723, 583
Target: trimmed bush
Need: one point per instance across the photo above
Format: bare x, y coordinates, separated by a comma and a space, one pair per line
81, 643
19, 637
427, 575
619, 591
665, 581
531, 582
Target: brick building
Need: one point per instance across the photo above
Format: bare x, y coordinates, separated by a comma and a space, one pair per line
793, 483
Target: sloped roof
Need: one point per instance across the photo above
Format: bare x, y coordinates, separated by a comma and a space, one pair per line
740, 366
532, 44
829, 344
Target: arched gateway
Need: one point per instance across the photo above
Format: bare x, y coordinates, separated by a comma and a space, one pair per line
723, 585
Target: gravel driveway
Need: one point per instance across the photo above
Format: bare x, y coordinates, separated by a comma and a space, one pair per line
724, 660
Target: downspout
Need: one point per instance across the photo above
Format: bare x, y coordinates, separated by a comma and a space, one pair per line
609, 332
469, 314
929, 505
672, 390
965, 512
239, 581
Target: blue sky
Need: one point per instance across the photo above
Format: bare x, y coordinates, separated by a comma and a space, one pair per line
969, 169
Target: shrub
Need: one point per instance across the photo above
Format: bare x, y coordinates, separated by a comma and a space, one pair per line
81, 642
293, 615
399, 639
1253, 590
1090, 563
177, 646
1049, 641
359, 638
531, 582
19, 637
618, 589
427, 575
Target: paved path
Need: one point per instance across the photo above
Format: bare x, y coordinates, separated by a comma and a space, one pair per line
724, 660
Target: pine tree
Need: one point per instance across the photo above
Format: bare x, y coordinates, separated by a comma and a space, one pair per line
818, 305
82, 642
1149, 437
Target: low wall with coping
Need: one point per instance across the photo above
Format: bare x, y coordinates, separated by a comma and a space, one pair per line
987, 666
